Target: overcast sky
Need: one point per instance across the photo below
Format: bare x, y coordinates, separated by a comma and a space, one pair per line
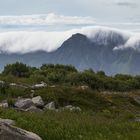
101, 10
31, 25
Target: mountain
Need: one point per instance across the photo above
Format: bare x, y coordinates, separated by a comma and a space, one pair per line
97, 52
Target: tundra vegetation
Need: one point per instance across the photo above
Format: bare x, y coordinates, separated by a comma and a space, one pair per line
110, 105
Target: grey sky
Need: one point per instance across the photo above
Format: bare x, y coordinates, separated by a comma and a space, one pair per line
102, 10
31, 25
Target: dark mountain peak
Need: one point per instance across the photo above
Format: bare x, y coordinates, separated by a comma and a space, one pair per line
77, 38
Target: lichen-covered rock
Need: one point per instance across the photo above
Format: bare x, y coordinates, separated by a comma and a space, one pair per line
50, 106
24, 103
38, 101
9, 132
7, 121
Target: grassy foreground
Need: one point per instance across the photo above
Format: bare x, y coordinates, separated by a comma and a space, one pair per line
107, 102
77, 126
104, 116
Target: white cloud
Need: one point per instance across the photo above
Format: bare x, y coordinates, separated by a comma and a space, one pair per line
133, 42
26, 41
48, 19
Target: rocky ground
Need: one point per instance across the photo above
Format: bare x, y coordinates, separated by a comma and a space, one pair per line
49, 111
11, 132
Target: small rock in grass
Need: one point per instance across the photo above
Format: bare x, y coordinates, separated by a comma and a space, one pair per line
72, 108
50, 106
38, 101
4, 104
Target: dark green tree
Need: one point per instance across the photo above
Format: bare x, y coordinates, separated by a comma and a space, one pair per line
17, 69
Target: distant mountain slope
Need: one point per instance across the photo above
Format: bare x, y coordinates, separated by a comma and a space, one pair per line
97, 53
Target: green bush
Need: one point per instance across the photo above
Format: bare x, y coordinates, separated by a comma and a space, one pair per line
18, 69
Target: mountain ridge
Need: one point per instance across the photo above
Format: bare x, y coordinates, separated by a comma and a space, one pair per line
95, 53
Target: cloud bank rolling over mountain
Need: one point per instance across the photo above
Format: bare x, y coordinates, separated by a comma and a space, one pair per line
37, 32
29, 41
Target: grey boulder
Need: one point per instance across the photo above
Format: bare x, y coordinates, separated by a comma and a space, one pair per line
7, 121
38, 101
50, 106
9, 132
23, 103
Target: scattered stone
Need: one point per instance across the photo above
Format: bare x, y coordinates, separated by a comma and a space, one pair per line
137, 120
41, 85
38, 101
72, 108
13, 84
50, 106
7, 121
2, 82
9, 132
76, 109
19, 85
84, 87
4, 104
68, 107
23, 103
33, 109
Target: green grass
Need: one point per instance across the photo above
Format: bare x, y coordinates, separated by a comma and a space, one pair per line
14, 92
86, 99
104, 116
77, 126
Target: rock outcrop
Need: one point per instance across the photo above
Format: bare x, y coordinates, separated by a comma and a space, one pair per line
38, 101
10, 132
23, 103
7, 121
36, 104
